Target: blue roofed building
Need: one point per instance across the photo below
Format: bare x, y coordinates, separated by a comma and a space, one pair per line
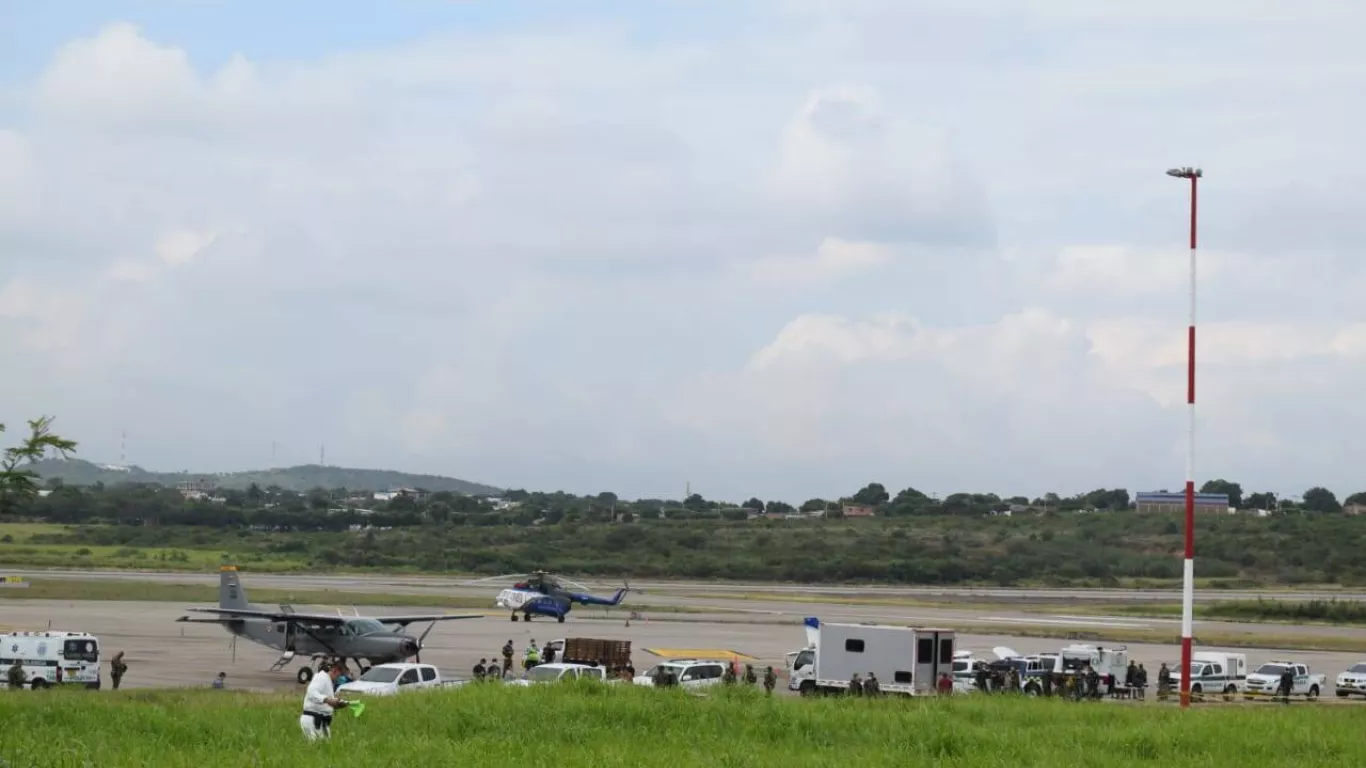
1163, 501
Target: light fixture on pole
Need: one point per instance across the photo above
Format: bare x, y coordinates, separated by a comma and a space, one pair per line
1188, 577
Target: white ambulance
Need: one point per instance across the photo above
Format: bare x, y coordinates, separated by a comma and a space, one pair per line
51, 658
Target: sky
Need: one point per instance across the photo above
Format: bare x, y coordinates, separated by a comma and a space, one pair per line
754, 247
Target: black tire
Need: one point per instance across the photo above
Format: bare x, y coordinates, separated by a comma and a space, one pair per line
560, 618
514, 617
1313, 691
38, 684
1033, 690
305, 675
1342, 694
806, 688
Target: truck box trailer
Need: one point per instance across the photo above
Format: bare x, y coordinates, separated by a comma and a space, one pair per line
905, 660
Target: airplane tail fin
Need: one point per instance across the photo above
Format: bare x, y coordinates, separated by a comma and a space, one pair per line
230, 591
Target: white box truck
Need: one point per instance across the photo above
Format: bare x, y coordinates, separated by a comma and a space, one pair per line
906, 660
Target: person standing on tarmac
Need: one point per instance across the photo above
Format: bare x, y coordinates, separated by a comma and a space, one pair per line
1164, 681
1287, 684
728, 676
770, 680
1142, 681
116, 669
855, 685
507, 655
479, 669
871, 687
15, 676
531, 657
750, 679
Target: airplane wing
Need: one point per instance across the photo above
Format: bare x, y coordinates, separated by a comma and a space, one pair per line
237, 614
404, 621
232, 614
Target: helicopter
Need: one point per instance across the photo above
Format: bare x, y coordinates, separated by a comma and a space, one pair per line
543, 594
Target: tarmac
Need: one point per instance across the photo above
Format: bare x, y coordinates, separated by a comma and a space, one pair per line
163, 653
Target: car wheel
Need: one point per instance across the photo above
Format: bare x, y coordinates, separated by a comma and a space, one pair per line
1313, 692
38, 684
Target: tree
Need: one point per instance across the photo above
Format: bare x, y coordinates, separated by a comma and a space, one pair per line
754, 503
778, 508
1356, 498
871, 495
1321, 500
1234, 491
814, 505
1265, 500
18, 485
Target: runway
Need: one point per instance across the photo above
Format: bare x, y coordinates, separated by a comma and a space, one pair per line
759, 604
405, 584
163, 653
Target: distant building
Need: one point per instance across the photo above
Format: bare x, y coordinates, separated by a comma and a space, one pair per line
195, 489
1162, 501
1354, 509
858, 510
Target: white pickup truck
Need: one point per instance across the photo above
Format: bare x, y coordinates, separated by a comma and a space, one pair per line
1266, 680
1352, 681
389, 679
560, 672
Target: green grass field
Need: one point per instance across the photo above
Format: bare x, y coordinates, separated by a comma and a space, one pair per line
627, 727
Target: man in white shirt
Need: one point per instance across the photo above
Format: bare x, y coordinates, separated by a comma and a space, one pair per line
320, 702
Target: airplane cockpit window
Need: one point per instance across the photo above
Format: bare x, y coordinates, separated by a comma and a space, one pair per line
364, 627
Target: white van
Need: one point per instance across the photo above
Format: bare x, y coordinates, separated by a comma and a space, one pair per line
50, 657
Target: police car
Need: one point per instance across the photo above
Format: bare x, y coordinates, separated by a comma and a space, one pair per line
50, 658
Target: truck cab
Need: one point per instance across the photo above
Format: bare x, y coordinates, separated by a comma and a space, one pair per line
560, 672
1266, 680
390, 679
1214, 672
691, 673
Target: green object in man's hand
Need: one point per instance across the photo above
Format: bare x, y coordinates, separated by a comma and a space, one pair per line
356, 707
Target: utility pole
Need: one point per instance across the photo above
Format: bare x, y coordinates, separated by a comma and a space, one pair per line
1188, 578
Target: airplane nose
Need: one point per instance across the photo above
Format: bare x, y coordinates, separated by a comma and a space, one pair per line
410, 646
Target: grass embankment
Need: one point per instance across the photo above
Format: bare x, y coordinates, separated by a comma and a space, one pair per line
584, 725
148, 591
1333, 611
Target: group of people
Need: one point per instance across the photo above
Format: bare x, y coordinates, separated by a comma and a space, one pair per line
1085, 683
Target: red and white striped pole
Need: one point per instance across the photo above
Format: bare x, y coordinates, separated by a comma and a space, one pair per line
1188, 576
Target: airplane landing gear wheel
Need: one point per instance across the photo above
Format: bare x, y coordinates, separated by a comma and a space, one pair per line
560, 618
305, 675
514, 617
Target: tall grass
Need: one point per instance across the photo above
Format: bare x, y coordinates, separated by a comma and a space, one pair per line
604, 726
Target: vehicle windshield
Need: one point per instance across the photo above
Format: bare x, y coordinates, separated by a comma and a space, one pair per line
1271, 669
542, 674
674, 668
1358, 668
381, 675
804, 658
365, 627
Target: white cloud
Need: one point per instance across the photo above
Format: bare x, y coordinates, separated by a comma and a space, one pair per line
920, 242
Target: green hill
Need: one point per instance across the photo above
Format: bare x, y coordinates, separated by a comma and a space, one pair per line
300, 478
